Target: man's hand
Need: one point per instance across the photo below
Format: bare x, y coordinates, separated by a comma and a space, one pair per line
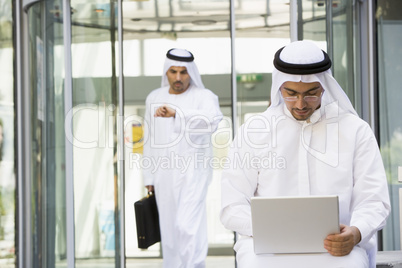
165, 111
342, 244
150, 188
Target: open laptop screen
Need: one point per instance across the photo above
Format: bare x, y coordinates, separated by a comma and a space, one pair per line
293, 224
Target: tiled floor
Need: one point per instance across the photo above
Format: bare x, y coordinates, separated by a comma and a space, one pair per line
211, 262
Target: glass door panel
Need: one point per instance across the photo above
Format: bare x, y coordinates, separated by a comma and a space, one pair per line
7, 117
343, 50
151, 28
262, 27
47, 185
94, 113
389, 25
332, 29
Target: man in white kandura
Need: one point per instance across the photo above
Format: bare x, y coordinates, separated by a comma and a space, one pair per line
321, 147
180, 119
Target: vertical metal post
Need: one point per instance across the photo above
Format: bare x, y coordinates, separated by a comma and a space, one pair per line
367, 45
400, 215
350, 42
300, 22
68, 106
24, 239
234, 76
114, 94
120, 132
293, 20
330, 44
371, 59
400, 204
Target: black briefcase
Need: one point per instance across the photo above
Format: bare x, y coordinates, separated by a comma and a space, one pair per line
147, 221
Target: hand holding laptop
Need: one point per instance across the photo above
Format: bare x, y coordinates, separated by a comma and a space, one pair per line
342, 244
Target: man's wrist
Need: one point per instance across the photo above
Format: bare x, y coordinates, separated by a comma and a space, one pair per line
356, 235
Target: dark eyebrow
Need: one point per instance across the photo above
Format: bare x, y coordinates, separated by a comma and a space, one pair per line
175, 71
294, 91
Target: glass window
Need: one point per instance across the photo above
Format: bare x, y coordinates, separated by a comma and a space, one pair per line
7, 117
94, 114
151, 28
47, 136
334, 33
389, 37
262, 27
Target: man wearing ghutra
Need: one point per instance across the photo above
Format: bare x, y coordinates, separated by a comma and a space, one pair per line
326, 150
180, 119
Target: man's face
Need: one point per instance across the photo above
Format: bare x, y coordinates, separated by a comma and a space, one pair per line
302, 99
179, 79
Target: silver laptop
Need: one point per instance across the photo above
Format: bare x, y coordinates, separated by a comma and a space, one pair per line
293, 224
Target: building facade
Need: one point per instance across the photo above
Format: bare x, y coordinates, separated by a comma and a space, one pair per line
75, 75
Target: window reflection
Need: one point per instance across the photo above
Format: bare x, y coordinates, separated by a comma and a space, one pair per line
7, 176
150, 29
256, 42
389, 24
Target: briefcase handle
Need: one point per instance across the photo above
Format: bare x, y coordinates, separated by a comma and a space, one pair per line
148, 187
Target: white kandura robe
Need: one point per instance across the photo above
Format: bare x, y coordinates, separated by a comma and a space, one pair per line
333, 153
179, 147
